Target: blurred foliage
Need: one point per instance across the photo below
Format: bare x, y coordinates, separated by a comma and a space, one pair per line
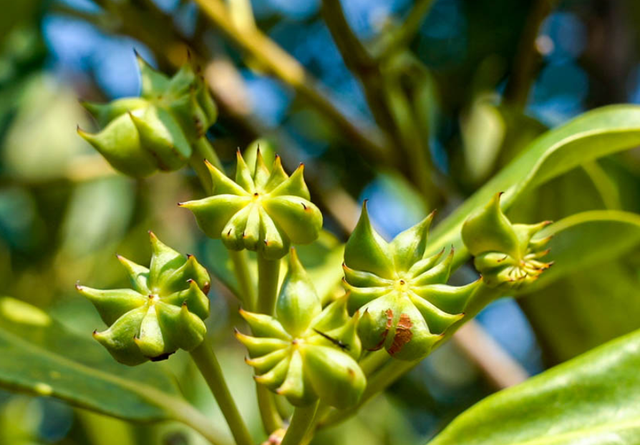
450, 90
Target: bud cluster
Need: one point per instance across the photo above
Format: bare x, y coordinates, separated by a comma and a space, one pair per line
399, 291
306, 353
505, 254
264, 210
162, 313
141, 135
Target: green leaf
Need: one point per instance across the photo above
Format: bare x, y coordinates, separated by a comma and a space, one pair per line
41, 358
581, 309
585, 309
592, 135
590, 399
589, 296
587, 238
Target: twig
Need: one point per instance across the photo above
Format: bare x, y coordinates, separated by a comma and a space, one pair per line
358, 61
404, 34
355, 55
209, 367
268, 280
527, 58
498, 367
388, 101
271, 56
301, 422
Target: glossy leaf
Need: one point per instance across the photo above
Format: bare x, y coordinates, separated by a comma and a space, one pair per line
592, 135
591, 399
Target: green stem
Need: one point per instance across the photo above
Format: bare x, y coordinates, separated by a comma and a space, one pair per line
300, 423
268, 279
191, 417
201, 170
243, 275
372, 362
202, 150
205, 150
207, 363
271, 420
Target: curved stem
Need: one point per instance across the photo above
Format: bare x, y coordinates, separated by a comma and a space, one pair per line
201, 171
206, 151
201, 424
374, 361
243, 275
202, 150
300, 422
268, 279
207, 363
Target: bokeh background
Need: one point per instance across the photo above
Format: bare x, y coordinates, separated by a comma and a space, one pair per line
476, 81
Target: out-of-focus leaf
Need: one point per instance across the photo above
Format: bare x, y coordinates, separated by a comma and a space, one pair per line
493, 135
323, 262
594, 134
322, 259
41, 358
483, 130
20, 419
42, 140
104, 430
591, 399
585, 239
99, 213
382, 423
521, 131
20, 224
15, 13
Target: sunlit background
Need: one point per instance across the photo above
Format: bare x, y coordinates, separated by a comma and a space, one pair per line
64, 213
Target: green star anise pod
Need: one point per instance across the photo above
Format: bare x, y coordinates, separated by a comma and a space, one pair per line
505, 254
399, 292
155, 131
163, 312
306, 353
264, 210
